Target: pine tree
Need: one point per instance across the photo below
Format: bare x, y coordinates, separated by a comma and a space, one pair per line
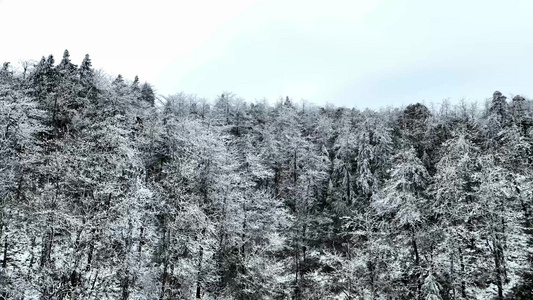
87, 79
147, 94
66, 68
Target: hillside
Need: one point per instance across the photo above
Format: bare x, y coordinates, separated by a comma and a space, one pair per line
108, 191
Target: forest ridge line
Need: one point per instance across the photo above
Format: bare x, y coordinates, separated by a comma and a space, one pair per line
106, 194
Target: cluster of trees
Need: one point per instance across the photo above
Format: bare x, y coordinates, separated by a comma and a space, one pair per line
105, 194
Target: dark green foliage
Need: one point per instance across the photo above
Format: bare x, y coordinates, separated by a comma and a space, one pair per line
147, 94
66, 68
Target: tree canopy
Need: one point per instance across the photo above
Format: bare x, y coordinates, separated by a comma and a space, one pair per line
110, 191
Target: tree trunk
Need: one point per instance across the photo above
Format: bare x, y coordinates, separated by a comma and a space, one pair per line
125, 287
501, 250
164, 280
277, 176
54, 113
417, 266
348, 184
497, 268
4, 261
198, 278
90, 254
294, 174
141, 241
32, 255
164, 276
296, 272
93, 284
463, 284
46, 247
371, 268
243, 248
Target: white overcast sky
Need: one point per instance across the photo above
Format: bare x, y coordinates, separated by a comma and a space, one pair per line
347, 53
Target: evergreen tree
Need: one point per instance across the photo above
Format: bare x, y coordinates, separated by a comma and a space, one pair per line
87, 79
66, 68
147, 94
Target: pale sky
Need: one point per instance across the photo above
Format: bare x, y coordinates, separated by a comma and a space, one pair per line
347, 53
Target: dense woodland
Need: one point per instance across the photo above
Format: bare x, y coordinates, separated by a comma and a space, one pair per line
108, 191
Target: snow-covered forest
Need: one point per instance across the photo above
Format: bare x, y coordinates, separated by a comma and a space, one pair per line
108, 191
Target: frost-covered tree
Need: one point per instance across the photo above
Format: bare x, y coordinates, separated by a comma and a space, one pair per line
66, 68
106, 195
454, 195
147, 94
402, 201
